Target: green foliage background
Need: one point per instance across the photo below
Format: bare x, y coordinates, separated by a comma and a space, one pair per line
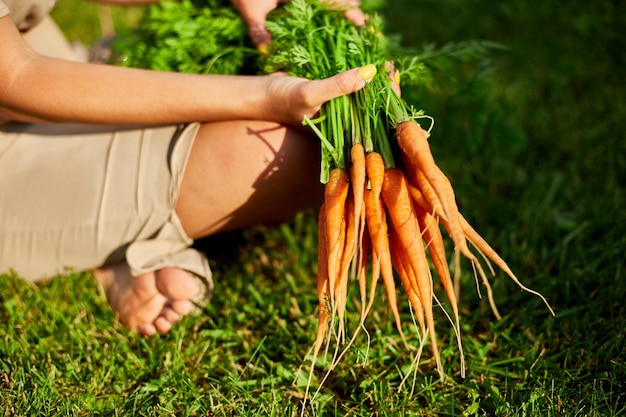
532, 140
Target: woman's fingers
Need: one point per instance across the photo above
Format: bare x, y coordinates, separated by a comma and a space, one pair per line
352, 9
259, 34
254, 13
343, 83
290, 99
394, 76
356, 16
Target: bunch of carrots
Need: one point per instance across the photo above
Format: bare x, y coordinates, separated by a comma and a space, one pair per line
385, 197
387, 207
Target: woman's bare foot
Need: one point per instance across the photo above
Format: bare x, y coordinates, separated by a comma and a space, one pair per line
151, 302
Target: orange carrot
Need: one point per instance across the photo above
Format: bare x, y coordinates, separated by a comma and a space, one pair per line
335, 194
434, 244
363, 262
427, 197
323, 289
413, 142
357, 181
349, 247
455, 230
478, 272
402, 215
408, 279
377, 226
322, 293
484, 247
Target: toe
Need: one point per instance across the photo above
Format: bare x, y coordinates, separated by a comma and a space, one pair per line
182, 307
177, 284
162, 325
171, 315
147, 329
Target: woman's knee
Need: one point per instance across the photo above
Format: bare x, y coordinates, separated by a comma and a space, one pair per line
247, 172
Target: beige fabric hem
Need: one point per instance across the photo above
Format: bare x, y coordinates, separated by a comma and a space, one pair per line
77, 197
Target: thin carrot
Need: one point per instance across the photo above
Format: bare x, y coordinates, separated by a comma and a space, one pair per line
375, 271
365, 253
402, 215
323, 285
455, 230
421, 190
434, 244
323, 291
408, 279
323, 288
484, 247
377, 226
357, 181
335, 194
349, 249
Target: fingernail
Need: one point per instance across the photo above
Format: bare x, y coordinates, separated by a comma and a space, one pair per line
263, 49
367, 72
396, 77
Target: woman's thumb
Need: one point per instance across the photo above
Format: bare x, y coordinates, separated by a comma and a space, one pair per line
346, 82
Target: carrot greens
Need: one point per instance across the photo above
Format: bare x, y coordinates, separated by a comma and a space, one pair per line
193, 36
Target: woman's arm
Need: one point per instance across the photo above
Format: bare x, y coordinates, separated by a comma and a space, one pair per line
37, 88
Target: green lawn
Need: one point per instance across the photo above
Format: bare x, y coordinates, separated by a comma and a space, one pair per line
532, 140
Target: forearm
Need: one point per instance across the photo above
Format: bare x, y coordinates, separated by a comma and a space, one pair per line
55, 90
37, 88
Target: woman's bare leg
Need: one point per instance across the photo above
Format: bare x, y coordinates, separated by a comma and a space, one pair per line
238, 174
245, 173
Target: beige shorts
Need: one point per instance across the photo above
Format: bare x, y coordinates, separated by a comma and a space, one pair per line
76, 197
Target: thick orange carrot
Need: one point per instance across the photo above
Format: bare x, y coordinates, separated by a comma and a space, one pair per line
413, 142
402, 215
335, 194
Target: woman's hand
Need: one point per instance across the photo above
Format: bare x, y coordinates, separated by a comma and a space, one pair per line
254, 13
290, 99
